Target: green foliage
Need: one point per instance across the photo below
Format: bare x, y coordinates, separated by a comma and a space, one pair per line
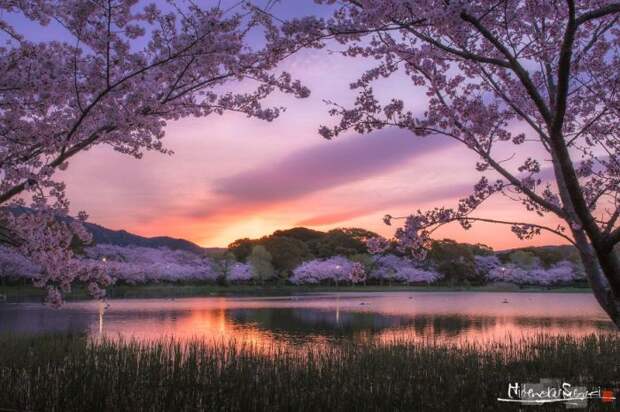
300, 233
343, 242
547, 255
287, 253
260, 259
289, 248
222, 264
523, 259
241, 248
481, 249
455, 261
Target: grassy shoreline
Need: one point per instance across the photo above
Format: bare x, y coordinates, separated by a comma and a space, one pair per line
169, 290
74, 374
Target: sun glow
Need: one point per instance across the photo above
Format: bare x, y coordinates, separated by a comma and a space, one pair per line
253, 227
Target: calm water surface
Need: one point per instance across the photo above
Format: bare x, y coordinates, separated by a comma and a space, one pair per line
325, 317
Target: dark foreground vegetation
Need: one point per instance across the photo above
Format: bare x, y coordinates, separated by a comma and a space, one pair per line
73, 374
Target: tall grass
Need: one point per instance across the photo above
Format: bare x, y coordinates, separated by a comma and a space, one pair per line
76, 374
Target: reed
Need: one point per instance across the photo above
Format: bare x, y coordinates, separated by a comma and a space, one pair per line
73, 373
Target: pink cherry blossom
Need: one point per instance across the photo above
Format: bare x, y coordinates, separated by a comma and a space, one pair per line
377, 245
240, 272
120, 72
337, 269
393, 268
133, 264
560, 273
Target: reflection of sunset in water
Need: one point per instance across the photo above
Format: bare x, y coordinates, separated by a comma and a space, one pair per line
189, 319
322, 318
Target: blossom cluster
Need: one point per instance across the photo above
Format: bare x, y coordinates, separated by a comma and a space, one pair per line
342, 270
337, 269
239, 273
560, 273
14, 265
400, 269
45, 240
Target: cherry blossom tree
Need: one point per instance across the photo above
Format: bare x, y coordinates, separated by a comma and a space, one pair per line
136, 264
530, 87
14, 265
401, 269
337, 269
120, 71
240, 272
486, 264
561, 273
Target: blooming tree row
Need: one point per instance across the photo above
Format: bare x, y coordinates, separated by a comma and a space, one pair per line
342, 270
136, 265
561, 273
133, 264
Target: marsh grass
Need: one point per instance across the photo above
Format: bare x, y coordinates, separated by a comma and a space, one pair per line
73, 373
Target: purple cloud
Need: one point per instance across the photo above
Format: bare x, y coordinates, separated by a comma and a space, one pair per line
326, 165
405, 201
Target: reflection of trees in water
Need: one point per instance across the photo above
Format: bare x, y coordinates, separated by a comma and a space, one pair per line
567, 323
451, 325
291, 324
298, 323
303, 322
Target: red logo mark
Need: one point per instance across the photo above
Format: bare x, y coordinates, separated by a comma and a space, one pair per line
607, 395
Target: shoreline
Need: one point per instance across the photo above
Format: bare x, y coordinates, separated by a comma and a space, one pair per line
18, 293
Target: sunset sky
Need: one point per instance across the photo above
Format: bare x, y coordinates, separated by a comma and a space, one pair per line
232, 176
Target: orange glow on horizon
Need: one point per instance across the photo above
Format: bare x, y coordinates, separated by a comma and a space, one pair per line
207, 233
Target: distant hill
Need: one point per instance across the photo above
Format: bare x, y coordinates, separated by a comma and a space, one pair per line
123, 238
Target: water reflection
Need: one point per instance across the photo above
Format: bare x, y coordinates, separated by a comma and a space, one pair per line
316, 318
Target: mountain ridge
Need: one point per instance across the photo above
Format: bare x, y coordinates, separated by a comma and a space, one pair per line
122, 237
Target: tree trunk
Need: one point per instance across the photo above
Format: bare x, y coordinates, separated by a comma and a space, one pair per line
597, 278
600, 273
611, 267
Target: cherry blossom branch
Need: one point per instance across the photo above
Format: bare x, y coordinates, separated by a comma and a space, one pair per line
543, 136
498, 167
66, 155
595, 14
503, 222
460, 53
557, 140
612, 220
514, 64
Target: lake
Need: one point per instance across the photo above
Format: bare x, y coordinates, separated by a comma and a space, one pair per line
319, 317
